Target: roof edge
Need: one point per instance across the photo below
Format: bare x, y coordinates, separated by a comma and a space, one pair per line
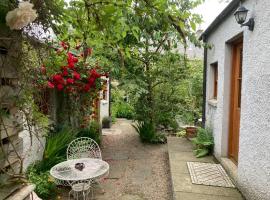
220, 18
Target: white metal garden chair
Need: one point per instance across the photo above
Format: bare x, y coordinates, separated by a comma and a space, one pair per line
83, 147
80, 190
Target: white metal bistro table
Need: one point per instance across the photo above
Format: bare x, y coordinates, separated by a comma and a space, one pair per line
91, 169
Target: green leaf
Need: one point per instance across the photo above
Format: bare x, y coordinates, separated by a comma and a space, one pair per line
201, 152
193, 26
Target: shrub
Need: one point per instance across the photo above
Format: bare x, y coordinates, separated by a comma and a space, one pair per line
45, 186
106, 122
92, 131
148, 133
123, 110
204, 142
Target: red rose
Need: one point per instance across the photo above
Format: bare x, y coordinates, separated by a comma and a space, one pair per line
87, 87
94, 73
58, 78
71, 65
50, 84
60, 87
75, 59
65, 73
76, 75
71, 58
70, 80
91, 80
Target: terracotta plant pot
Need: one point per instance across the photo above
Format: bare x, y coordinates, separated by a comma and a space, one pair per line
191, 132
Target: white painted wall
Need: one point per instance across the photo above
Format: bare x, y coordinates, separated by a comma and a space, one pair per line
254, 152
33, 148
105, 103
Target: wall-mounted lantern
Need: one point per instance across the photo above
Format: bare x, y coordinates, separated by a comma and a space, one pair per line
241, 15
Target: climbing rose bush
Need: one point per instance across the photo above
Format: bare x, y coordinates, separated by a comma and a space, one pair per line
69, 70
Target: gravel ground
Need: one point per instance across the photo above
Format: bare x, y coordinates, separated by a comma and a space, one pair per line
137, 171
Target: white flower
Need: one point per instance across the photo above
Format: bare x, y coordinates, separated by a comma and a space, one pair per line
21, 16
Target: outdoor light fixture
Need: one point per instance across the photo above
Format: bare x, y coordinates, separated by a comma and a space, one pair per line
241, 15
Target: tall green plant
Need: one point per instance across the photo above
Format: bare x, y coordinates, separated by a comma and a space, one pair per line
55, 150
204, 142
148, 134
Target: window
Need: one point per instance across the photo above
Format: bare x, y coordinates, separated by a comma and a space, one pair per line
214, 67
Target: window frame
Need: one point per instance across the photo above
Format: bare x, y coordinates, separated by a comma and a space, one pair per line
214, 69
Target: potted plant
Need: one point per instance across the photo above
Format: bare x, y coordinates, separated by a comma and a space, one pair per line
191, 131
106, 122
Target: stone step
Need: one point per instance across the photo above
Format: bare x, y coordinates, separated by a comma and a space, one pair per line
23, 193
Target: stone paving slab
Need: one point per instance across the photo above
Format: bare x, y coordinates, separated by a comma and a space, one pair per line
194, 196
180, 152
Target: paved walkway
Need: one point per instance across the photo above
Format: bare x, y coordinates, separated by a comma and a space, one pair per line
180, 152
137, 171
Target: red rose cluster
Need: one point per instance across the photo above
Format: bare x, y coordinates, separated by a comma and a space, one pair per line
73, 77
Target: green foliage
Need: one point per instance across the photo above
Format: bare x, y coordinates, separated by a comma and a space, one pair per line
171, 90
191, 92
3, 10
106, 122
148, 134
181, 134
120, 107
55, 150
123, 110
45, 186
92, 131
204, 142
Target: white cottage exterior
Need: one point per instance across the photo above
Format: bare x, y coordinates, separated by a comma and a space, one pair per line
237, 96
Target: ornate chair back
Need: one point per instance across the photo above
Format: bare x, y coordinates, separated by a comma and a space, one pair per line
83, 147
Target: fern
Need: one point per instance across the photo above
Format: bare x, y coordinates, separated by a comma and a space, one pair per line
204, 142
147, 133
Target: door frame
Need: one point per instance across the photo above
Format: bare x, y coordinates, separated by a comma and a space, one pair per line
234, 45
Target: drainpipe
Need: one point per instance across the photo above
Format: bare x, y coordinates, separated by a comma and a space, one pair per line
204, 82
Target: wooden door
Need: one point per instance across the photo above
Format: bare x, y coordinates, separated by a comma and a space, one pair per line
235, 109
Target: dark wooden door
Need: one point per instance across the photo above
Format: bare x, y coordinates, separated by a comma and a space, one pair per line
236, 87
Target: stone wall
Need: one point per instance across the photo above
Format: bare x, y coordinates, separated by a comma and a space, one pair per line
12, 125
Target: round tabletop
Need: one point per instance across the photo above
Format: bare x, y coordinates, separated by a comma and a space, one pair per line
93, 169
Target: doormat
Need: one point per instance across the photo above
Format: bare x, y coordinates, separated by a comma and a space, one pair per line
209, 174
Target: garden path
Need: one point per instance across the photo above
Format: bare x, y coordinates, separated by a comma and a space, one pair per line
137, 171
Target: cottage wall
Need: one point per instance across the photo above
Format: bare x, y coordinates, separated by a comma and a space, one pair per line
105, 101
12, 124
253, 173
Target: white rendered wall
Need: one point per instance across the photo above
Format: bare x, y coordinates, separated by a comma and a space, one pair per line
105, 103
254, 145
